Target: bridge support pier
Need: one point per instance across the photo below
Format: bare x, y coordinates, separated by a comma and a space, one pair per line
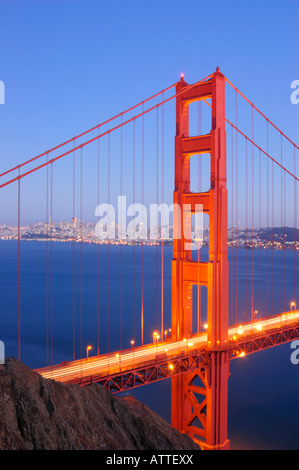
199, 403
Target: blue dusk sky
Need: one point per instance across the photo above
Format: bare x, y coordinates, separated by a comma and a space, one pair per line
68, 65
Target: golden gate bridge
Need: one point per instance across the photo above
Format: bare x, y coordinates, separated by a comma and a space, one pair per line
246, 170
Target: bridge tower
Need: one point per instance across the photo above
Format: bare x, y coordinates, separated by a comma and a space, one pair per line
199, 398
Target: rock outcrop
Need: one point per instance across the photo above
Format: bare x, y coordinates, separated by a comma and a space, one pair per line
41, 414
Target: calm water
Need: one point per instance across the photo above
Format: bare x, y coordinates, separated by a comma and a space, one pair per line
263, 387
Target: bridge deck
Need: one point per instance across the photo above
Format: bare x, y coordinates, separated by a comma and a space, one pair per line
243, 339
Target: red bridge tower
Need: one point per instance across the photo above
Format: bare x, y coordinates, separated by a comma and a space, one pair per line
199, 398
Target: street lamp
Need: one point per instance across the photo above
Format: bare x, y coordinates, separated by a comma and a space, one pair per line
87, 350
156, 337
293, 305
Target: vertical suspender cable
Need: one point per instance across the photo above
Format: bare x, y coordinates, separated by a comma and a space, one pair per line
232, 228
121, 248
108, 247
284, 238
142, 247
260, 228
81, 248
133, 312
267, 290
162, 245
19, 268
281, 229
295, 225
252, 199
246, 223
47, 260
98, 255
272, 216
74, 238
157, 198
236, 313
51, 261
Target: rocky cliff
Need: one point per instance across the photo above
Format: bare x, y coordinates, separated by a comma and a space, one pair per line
36, 413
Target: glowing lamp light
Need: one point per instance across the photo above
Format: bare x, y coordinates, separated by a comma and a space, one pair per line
293, 305
205, 326
259, 327
182, 76
242, 354
87, 350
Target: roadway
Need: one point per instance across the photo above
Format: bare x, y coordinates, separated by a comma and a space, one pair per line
137, 356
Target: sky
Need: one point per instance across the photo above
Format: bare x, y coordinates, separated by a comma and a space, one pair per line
68, 65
